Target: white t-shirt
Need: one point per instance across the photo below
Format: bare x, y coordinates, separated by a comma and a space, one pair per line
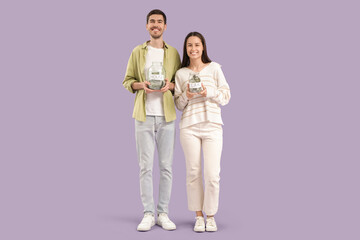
154, 100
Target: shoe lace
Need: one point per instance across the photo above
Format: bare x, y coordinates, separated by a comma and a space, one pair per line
165, 218
199, 221
147, 217
210, 222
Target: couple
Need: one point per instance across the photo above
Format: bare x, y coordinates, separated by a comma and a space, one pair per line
200, 125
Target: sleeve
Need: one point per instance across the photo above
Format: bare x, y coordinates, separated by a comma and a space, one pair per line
181, 99
130, 74
221, 94
176, 65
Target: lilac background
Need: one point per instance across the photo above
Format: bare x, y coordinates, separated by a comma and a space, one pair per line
290, 167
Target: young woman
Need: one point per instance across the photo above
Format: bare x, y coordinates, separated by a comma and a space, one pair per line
201, 127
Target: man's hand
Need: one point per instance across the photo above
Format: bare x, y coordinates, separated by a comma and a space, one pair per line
147, 89
166, 87
144, 86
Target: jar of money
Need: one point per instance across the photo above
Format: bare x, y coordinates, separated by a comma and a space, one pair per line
194, 83
156, 76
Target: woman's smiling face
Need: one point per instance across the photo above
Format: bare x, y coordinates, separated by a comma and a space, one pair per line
194, 47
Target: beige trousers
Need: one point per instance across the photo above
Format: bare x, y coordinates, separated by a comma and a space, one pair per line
208, 137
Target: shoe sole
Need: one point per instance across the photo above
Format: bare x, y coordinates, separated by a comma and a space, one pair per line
211, 230
145, 230
168, 229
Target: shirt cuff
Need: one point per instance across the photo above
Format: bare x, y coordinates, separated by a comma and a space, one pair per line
184, 97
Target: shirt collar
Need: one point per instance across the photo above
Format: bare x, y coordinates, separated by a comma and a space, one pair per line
145, 45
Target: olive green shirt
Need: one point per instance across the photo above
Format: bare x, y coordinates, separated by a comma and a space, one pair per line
135, 73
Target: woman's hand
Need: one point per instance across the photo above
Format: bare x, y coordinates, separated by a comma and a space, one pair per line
189, 94
203, 93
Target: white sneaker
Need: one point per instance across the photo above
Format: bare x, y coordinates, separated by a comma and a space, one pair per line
164, 221
199, 224
147, 222
211, 224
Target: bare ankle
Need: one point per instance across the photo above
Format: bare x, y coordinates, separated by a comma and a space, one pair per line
199, 214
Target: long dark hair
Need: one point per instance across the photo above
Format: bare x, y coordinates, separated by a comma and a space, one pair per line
204, 57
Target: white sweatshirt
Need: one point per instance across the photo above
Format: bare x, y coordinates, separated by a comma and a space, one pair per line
202, 109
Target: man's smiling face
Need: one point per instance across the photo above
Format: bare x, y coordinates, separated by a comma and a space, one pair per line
156, 26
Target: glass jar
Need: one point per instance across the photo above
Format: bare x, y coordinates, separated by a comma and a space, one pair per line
195, 83
156, 76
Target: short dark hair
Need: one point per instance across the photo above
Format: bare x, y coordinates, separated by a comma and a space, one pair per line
156, 11
204, 57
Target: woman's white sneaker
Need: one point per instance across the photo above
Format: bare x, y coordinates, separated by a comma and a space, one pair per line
199, 224
211, 224
147, 222
164, 221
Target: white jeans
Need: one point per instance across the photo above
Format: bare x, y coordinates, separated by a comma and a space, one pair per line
208, 137
155, 131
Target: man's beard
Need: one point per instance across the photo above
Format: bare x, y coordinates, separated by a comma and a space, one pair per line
156, 36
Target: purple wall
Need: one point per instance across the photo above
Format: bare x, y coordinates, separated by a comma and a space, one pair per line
290, 166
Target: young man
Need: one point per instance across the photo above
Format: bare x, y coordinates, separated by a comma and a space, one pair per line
154, 113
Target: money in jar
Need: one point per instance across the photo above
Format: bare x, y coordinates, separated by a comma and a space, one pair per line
156, 76
195, 83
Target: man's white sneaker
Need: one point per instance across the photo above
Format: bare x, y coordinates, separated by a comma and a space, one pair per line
164, 221
147, 222
211, 224
199, 224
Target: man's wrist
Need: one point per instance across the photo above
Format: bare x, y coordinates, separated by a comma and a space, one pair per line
138, 85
